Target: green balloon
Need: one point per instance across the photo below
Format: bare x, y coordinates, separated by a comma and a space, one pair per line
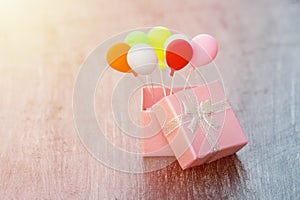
137, 37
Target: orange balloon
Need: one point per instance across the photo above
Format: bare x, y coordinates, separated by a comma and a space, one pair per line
117, 57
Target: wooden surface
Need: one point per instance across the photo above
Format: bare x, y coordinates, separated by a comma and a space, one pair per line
42, 45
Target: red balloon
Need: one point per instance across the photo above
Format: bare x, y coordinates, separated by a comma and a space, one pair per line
178, 54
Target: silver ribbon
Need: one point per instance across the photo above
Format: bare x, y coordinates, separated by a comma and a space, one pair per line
198, 114
202, 111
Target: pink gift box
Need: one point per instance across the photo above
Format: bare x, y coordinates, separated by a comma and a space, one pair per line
153, 141
199, 125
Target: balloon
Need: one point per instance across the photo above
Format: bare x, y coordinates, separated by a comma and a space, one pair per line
205, 49
175, 37
116, 57
137, 37
158, 35
142, 59
178, 55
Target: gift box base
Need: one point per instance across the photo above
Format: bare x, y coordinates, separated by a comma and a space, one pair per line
153, 141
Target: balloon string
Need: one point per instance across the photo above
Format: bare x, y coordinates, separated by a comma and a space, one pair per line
162, 82
143, 82
147, 80
172, 84
153, 93
188, 77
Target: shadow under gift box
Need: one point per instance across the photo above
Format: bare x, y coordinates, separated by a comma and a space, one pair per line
198, 124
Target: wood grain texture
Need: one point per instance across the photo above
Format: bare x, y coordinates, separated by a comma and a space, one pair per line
42, 46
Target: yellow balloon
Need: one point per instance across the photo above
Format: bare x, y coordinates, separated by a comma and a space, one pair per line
158, 36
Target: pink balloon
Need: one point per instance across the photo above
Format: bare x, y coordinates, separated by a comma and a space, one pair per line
205, 49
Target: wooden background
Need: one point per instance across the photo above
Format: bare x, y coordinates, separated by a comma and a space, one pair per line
43, 43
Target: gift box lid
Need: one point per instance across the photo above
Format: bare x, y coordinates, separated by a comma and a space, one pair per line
197, 123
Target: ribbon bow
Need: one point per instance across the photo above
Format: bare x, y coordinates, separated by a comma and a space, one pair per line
200, 113
196, 114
